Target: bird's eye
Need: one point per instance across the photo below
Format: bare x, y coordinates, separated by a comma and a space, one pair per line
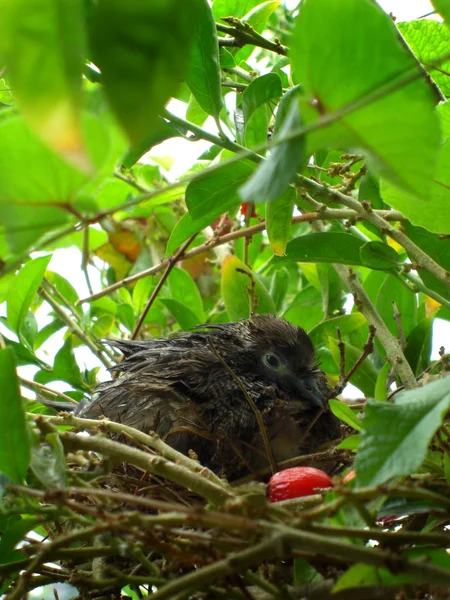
272, 361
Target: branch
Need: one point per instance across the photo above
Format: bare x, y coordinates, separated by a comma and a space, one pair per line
325, 214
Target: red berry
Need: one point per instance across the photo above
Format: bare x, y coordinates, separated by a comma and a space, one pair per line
297, 482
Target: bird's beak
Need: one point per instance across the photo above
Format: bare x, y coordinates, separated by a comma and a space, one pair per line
308, 390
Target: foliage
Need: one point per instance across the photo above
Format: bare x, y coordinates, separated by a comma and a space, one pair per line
325, 178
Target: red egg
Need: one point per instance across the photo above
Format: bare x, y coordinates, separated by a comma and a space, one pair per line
297, 482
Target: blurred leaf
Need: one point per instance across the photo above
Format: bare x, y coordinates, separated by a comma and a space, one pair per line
217, 191
439, 250
433, 210
418, 345
391, 290
184, 290
377, 255
184, 315
278, 221
274, 174
242, 291
49, 185
24, 289
380, 387
161, 131
65, 368
44, 45
232, 8
125, 314
142, 50
13, 532
357, 575
398, 130
352, 442
345, 323
48, 463
279, 287
343, 412
443, 7
395, 436
14, 441
203, 75
325, 247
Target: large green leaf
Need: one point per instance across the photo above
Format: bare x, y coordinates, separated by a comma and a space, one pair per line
232, 8
398, 129
203, 74
217, 191
328, 247
395, 436
255, 109
142, 50
184, 290
274, 174
23, 291
50, 183
278, 221
433, 211
43, 43
14, 441
242, 290
430, 40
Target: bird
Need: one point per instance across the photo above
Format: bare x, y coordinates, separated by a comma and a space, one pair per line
239, 396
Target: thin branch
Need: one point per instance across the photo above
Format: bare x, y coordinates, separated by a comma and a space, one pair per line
33, 385
74, 328
172, 261
325, 214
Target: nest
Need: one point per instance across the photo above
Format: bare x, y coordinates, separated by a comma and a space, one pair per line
122, 510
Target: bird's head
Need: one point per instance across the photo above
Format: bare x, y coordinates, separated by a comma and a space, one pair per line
285, 357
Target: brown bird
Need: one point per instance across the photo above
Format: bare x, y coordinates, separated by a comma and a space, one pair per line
202, 390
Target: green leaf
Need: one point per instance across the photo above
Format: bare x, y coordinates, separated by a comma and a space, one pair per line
328, 247
279, 287
345, 413
418, 345
186, 227
142, 50
278, 221
232, 8
217, 191
398, 129
436, 247
50, 182
359, 574
274, 174
184, 315
433, 210
306, 309
184, 290
258, 92
430, 40
352, 442
13, 533
44, 45
345, 323
65, 368
203, 75
23, 291
395, 436
242, 290
14, 441
393, 290
161, 131
377, 255
443, 7
380, 387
